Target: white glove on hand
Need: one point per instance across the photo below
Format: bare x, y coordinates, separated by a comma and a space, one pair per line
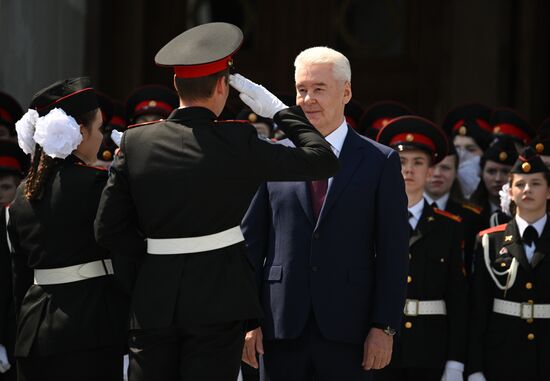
116, 136
4, 363
478, 376
125, 365
453, 371
257, 97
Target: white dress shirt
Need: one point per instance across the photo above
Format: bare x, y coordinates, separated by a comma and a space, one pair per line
336, 140
440, 202
539, 227
416, 211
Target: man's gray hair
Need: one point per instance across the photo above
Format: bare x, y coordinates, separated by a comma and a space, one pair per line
324, 55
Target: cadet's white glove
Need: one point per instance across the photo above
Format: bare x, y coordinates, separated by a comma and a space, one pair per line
257, 97
125, 365
453, 371
478, 376
116, 136
4, 363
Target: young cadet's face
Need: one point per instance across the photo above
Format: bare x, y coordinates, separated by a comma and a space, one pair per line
321, 96
466, 143
494, 176
415, 168
443, 176
530, 192
8, 186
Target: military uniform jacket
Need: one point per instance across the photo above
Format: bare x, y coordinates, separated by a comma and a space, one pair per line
471, 225
191, 176
436, 272
501, 344
57, 231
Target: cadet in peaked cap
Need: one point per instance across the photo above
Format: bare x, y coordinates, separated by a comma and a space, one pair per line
507, 122
113, 120
469, 127
151, 102
195, 294
62, 277
510, 291
496, 164
10, 112
432, 344
379, 114
541, 143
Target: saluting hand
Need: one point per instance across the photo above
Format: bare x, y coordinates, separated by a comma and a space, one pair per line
257, 97
377, 349
253, 343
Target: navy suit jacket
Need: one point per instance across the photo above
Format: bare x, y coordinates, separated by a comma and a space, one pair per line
350, 266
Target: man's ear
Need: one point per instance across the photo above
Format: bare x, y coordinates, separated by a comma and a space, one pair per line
221, 84
347, 92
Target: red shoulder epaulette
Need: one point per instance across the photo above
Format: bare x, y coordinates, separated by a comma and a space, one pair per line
498, 228
91, 166
474, 208
453, 217
144, 123
232, 121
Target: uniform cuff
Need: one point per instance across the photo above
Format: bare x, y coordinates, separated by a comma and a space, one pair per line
454, 365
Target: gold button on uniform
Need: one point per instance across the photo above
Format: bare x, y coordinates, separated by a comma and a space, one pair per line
529, 321
408, 325
531, 336
528, 285
409, 279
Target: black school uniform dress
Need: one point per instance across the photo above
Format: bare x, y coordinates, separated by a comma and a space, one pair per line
502, 346
72, 330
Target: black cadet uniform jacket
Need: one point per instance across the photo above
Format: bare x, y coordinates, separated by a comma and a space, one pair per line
471, 225
191, 176
57, 231
507, 347
436, 272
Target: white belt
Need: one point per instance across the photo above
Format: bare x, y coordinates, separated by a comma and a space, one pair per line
73, 273
414, 307
522, 310
195, 244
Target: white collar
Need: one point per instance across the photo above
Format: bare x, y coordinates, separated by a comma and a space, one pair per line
417, 209
538, 224
336, 138
441, 202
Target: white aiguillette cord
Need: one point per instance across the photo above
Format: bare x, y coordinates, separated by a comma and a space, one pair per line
511, 272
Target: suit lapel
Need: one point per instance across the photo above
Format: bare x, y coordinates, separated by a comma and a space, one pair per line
305, 200
543, 246
512, 241
424, 226
350, 158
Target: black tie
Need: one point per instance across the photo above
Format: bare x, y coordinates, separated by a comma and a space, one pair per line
434, 205
530, 235
411, 230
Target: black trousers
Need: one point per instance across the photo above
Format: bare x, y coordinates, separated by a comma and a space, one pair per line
90, 365
408, 374
199, 352
312, 357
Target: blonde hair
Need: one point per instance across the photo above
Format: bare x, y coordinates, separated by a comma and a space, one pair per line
324, 55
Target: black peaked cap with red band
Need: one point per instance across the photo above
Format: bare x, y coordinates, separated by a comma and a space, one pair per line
151, 99
12, 159
508, 122
502, 150
541, 143
406, 132
201, 51
379, 114
10, 111
472, 120
529, 162
75, 96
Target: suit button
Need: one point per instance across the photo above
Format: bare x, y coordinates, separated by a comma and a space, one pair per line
408, 325
409, 279
528, 285
529, 321
531, 336
314, 269
316, 235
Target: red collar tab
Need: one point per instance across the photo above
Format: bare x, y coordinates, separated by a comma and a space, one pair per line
195, 71
413, 138
499, 228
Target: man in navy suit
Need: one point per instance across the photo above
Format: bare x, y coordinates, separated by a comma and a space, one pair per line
330, 256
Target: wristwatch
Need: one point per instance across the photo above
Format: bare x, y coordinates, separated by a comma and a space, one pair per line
386, 328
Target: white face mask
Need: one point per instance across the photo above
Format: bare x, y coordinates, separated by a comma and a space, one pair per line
469, 172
